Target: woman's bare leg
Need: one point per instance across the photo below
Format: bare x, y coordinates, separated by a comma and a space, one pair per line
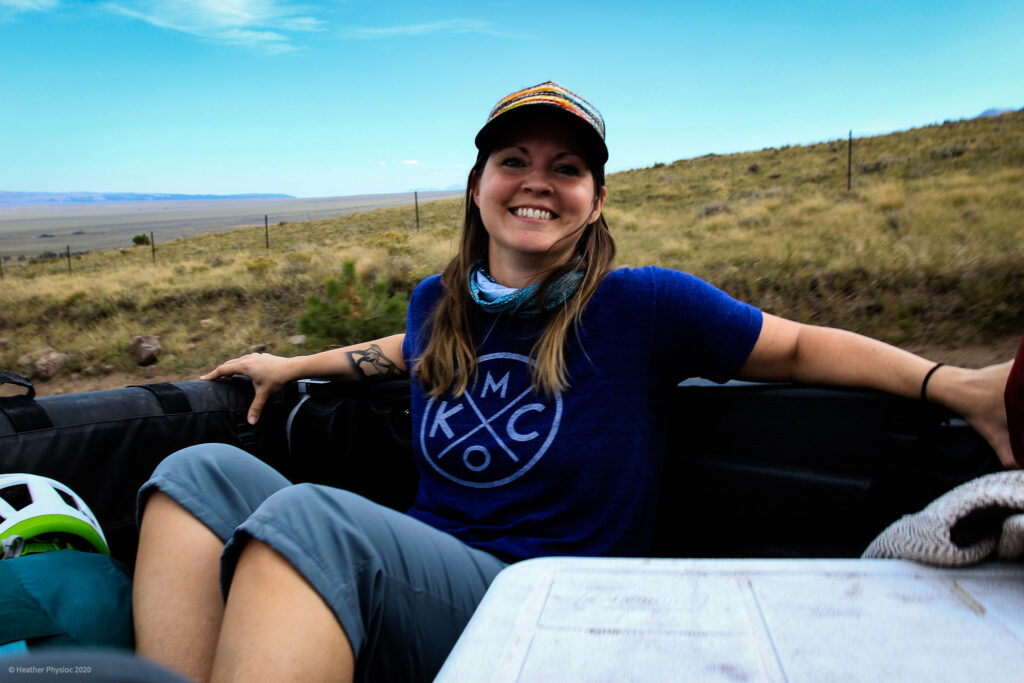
276, 627
176, 597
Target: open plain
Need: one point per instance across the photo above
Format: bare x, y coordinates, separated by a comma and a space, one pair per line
36, 229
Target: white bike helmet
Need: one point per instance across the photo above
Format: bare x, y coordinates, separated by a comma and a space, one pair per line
39, 514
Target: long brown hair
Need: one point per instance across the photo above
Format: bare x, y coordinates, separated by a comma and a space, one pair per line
449, 359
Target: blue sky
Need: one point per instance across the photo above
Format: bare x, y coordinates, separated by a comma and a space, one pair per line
338, 97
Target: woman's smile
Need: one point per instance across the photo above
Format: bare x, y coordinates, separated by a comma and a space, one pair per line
533, 214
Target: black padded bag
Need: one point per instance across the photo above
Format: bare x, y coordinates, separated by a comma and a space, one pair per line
750, 470
105, 444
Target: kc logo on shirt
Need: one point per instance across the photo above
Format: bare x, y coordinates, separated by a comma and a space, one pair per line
496, 431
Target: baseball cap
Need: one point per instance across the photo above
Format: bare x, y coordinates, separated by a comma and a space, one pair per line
550, 95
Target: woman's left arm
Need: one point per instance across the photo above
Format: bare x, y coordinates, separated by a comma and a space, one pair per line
791, 351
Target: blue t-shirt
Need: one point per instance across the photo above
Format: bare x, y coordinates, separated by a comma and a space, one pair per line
525, 475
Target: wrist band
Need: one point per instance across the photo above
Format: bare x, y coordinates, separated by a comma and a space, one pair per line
924, 384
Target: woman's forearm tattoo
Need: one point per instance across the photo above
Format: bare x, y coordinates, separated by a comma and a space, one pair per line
371, 363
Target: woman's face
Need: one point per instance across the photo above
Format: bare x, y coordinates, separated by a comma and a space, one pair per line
535, 194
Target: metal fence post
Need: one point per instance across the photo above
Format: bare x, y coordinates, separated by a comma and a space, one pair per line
849, 162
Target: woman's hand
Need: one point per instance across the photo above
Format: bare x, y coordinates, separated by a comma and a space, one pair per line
268, 374
378, 359
977, 395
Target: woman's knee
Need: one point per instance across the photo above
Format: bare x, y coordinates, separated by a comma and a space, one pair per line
300, 511
218, 483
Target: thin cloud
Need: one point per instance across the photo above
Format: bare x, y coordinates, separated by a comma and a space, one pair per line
410, 162
257, 24
14, 6
268, 40
302, 24
445, 26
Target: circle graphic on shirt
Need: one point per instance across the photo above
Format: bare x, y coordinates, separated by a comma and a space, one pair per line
496, 431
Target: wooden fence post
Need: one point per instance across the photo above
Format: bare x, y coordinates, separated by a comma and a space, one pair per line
152, 245
416, 200
266, 230
68, 247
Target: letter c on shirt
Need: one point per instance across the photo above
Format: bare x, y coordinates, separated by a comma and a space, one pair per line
513, 433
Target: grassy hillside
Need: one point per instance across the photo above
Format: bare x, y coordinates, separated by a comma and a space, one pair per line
929, 242
927, 247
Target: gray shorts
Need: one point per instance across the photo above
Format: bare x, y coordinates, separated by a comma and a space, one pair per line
401, 590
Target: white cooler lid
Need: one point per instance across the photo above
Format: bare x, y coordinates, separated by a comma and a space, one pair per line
591, 619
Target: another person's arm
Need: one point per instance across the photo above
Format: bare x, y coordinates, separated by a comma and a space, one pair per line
378, 359
787, 350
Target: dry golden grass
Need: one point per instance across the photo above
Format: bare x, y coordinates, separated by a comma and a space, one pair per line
927, 247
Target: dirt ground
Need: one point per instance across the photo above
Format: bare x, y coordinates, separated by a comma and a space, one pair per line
967, 356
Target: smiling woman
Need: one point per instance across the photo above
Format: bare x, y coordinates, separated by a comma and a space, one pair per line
541, 384
541, 150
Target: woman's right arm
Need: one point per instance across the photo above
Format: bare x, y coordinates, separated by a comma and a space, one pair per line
378, 359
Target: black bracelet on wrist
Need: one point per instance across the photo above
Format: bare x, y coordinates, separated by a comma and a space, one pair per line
924, 384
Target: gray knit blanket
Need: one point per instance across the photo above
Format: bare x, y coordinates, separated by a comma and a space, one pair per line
964, 526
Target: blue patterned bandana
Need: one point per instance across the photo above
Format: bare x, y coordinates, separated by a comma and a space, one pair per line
494, 297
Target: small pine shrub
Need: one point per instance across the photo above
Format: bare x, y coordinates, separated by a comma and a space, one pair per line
140, 240
350, 311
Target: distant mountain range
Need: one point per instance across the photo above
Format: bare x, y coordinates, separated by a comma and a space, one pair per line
26, 198
457, 187
995, 111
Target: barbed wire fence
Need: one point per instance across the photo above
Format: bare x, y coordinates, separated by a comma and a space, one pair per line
67, 254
